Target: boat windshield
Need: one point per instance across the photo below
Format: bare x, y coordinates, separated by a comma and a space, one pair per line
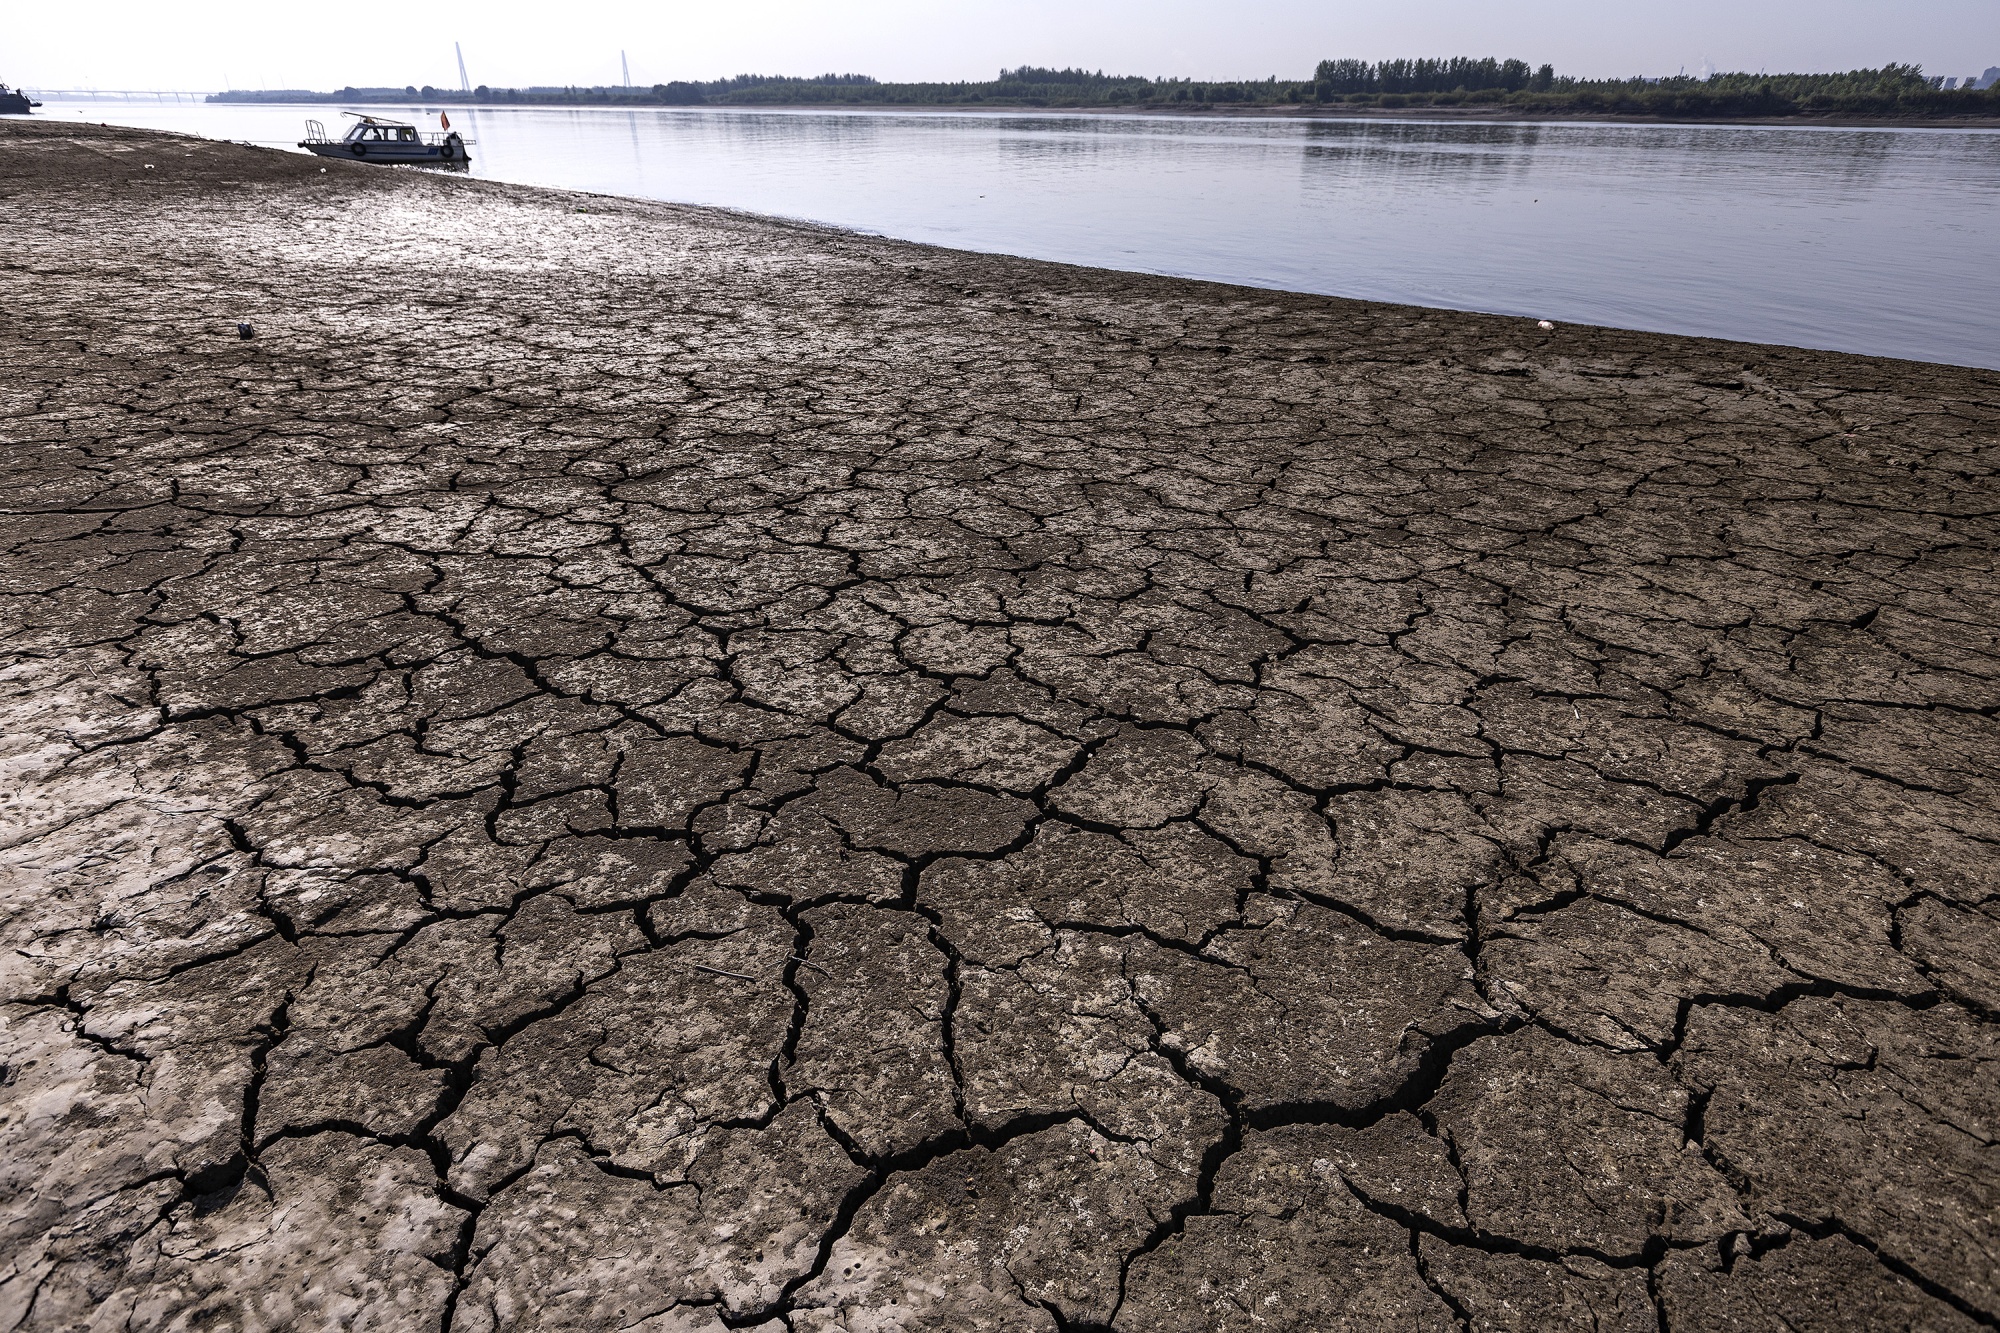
383, 134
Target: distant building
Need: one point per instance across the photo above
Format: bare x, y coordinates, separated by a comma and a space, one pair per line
1950, 84
1989, 78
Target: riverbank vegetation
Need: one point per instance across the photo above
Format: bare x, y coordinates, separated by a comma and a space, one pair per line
1472, 84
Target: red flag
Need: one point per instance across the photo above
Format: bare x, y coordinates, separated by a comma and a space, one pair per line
444, 120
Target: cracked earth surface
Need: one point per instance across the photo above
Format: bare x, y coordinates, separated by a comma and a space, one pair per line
621, 766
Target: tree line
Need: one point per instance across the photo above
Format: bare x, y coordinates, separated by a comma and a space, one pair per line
1503, 85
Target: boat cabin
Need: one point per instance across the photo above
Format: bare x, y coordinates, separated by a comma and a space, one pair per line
368, 131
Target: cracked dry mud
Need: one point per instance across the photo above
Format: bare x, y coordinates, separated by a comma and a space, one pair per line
625, 767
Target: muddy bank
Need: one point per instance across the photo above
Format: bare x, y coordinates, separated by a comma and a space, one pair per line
620, 766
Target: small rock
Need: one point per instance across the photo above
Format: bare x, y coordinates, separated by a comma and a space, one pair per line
1546, 327
245, 332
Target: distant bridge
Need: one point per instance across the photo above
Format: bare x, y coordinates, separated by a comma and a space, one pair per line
114, 95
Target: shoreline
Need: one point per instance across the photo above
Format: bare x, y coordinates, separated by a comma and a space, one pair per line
1469, 114
1573, 321
619, 764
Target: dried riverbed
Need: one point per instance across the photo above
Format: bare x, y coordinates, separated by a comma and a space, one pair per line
620, 766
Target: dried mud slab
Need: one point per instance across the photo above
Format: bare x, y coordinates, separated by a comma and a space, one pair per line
623, 766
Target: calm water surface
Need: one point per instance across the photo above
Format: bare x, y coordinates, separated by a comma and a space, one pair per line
1881, 241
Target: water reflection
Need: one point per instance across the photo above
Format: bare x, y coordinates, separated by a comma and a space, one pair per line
1862, 240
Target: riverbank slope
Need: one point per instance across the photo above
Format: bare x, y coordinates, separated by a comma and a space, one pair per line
619, 765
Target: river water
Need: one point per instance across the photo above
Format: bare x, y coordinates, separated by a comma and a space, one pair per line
1864, 240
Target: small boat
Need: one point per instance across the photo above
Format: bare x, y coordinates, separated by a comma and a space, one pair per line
378, 139
13, 102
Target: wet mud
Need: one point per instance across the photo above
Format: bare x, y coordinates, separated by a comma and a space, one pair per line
627, 767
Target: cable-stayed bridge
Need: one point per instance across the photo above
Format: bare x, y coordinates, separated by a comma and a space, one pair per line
115, 95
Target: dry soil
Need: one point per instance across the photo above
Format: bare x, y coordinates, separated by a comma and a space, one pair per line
628, 767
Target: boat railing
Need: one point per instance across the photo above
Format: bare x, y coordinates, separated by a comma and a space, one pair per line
316, 132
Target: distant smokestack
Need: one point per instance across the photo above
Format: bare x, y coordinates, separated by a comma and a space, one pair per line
627, 67
464, 84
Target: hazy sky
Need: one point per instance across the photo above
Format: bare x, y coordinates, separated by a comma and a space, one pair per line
205, 45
